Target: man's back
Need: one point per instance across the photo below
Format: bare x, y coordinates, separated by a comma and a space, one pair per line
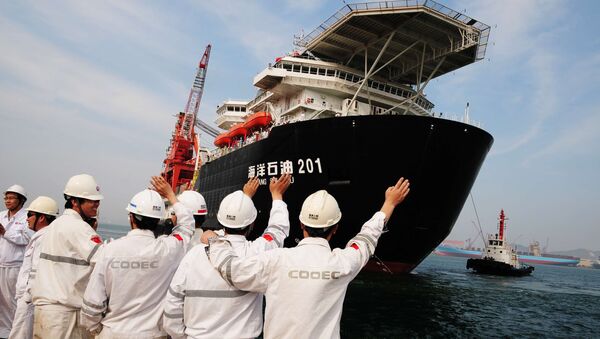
136, 271
66, 257
210, 306
304, 286
308, 284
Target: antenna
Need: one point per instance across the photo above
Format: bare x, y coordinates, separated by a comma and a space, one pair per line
299, 39
477, 215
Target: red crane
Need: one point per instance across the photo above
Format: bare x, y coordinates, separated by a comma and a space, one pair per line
183, 153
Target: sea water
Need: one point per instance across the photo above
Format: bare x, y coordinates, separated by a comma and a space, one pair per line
442, 299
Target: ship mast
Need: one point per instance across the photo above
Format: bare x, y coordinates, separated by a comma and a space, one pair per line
501, 225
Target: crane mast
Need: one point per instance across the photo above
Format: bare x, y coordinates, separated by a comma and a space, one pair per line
183, 154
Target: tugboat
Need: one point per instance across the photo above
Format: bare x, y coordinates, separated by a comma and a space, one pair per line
499, 258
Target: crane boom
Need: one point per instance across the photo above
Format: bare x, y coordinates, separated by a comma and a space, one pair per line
182, 158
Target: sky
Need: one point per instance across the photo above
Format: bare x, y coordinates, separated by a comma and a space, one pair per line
93, 87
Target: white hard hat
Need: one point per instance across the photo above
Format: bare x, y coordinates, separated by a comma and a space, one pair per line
83, 186
320, 210
44, 205
16, 189
236, 210
194, 201
147, 203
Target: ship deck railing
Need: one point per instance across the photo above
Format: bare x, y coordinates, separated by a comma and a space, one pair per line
384, 5
354, 78
219, 152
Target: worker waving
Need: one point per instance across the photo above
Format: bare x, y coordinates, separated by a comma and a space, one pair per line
305, 286
124, 296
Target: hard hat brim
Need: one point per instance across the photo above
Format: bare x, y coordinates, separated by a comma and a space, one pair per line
329, 224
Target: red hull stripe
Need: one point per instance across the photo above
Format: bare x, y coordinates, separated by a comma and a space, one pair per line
178, 237
97, 239
355, 246
268, 237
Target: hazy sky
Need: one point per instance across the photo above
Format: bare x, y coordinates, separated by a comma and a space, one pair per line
92, 87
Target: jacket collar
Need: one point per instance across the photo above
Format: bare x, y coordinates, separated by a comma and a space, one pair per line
39, 233
72, 213
139, 232
315, 241
235, 237
22, 212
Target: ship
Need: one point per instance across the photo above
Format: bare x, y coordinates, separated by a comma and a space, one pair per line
533, 256
347, 112
499, 257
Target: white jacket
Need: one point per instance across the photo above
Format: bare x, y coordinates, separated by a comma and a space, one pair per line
195, 238
200, 304
127, 287
15, 239
67, 256
304, 286
28, 271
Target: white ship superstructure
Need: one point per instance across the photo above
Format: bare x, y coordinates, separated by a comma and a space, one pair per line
498, 249
352, 65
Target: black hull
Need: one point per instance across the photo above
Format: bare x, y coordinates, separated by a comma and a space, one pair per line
488, 266
356, 159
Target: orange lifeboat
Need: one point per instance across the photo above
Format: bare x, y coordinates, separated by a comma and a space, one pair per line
237, 130
257, 120
223, 140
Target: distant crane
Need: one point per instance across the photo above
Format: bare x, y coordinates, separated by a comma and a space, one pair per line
182, 161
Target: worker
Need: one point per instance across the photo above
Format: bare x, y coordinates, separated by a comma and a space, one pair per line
305, 286
124, 298
200, 303
40, 213
195, 202
14, 237
67, 256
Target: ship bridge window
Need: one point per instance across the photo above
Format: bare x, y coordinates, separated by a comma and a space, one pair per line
321, 71
330, 73
229, 108
243, 109
303, 69
313, 70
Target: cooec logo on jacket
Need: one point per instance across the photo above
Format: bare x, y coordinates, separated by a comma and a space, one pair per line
134, 264
322, 275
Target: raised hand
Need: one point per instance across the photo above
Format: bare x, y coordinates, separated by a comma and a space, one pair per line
394, 195
250, 187
160, 185
279, 186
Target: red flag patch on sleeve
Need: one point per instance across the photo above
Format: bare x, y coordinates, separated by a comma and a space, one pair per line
96, 239
178, 237
268, 237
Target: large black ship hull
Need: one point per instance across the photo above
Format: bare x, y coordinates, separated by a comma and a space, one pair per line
355, 159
